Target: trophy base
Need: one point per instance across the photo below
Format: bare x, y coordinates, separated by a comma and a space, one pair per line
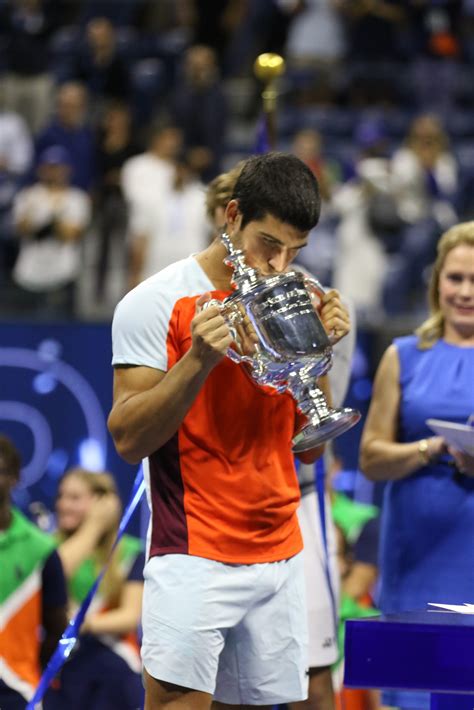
336, 423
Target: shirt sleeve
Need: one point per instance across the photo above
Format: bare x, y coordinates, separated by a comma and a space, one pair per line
54, 584
141, 327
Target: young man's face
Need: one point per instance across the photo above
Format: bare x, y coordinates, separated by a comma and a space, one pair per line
269, 244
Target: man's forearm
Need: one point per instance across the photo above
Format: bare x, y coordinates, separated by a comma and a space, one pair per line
143, 422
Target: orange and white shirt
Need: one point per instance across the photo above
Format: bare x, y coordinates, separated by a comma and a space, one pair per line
224, 486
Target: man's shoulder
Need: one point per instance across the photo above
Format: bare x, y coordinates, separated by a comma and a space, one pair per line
152, 302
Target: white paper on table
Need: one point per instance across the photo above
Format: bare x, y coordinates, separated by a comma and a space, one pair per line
459, 436
459, 608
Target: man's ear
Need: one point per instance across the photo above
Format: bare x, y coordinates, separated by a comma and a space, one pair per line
233, 217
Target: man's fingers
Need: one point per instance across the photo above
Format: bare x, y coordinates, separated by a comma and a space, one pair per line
204, 298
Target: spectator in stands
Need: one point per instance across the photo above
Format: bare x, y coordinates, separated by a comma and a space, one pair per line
69, 128
359, 248
436, 29
167, 219
50, 219
319, 255
425, 174
33, 599
104, 670
199, 109
16, 152
146, 175
99, 66
427, 524
170, 228
27, 26
116, 145
373, 31
316, 44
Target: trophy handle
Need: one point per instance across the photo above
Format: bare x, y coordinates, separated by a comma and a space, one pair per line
232, 317
313, 285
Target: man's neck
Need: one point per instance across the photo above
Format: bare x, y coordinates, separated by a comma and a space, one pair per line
211, 261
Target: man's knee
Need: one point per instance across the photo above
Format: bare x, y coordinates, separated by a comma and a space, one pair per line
161, 695
320, 687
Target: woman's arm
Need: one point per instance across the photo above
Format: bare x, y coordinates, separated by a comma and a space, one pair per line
102, 515
122, 620
382, 457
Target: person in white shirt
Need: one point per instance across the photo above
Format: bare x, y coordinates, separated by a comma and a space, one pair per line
166, 207
50, 218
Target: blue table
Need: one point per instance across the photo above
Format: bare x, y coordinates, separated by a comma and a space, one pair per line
426, 650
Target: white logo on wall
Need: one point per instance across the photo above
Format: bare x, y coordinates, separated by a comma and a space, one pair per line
48, 373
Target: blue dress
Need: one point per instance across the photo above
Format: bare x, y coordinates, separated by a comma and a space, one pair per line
427, 536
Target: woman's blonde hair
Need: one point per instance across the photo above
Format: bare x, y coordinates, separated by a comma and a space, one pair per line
432, 329
220, 190
102, 483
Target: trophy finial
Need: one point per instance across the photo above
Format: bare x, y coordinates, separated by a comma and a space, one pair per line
244, 277
268, 66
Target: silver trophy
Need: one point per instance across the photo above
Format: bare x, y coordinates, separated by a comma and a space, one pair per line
278, 334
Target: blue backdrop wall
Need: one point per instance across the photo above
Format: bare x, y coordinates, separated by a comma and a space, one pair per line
55, 395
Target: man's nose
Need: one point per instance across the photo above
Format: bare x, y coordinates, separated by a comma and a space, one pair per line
279, 261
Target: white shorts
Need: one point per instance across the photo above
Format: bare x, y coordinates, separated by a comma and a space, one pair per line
238, 632
323, 649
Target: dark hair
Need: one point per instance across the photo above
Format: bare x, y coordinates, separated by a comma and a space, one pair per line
281, 185
9, 457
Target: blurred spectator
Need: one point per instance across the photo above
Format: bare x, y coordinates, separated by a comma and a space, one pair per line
123, 13
146, 175
115, 146
319, 255
373, 30
103, 673
215, 22
28, 26
436, 30
16, 152
69, 128
50, 219
166, 205
360, 251
199, 108
257, 27
171, 227
33, 597
316, 42
425, 174
99, 66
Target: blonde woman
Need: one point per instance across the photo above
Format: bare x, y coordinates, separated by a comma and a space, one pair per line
104, 671
427, 546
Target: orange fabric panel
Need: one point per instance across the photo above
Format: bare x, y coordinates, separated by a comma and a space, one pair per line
20, 643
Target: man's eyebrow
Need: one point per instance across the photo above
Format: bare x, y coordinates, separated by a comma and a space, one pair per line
282, 244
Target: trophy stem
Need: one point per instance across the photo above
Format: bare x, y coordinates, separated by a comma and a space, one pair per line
324, 423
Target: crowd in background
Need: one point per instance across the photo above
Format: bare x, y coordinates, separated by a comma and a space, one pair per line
114, 117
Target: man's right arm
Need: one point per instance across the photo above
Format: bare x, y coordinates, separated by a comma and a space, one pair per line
149, 405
